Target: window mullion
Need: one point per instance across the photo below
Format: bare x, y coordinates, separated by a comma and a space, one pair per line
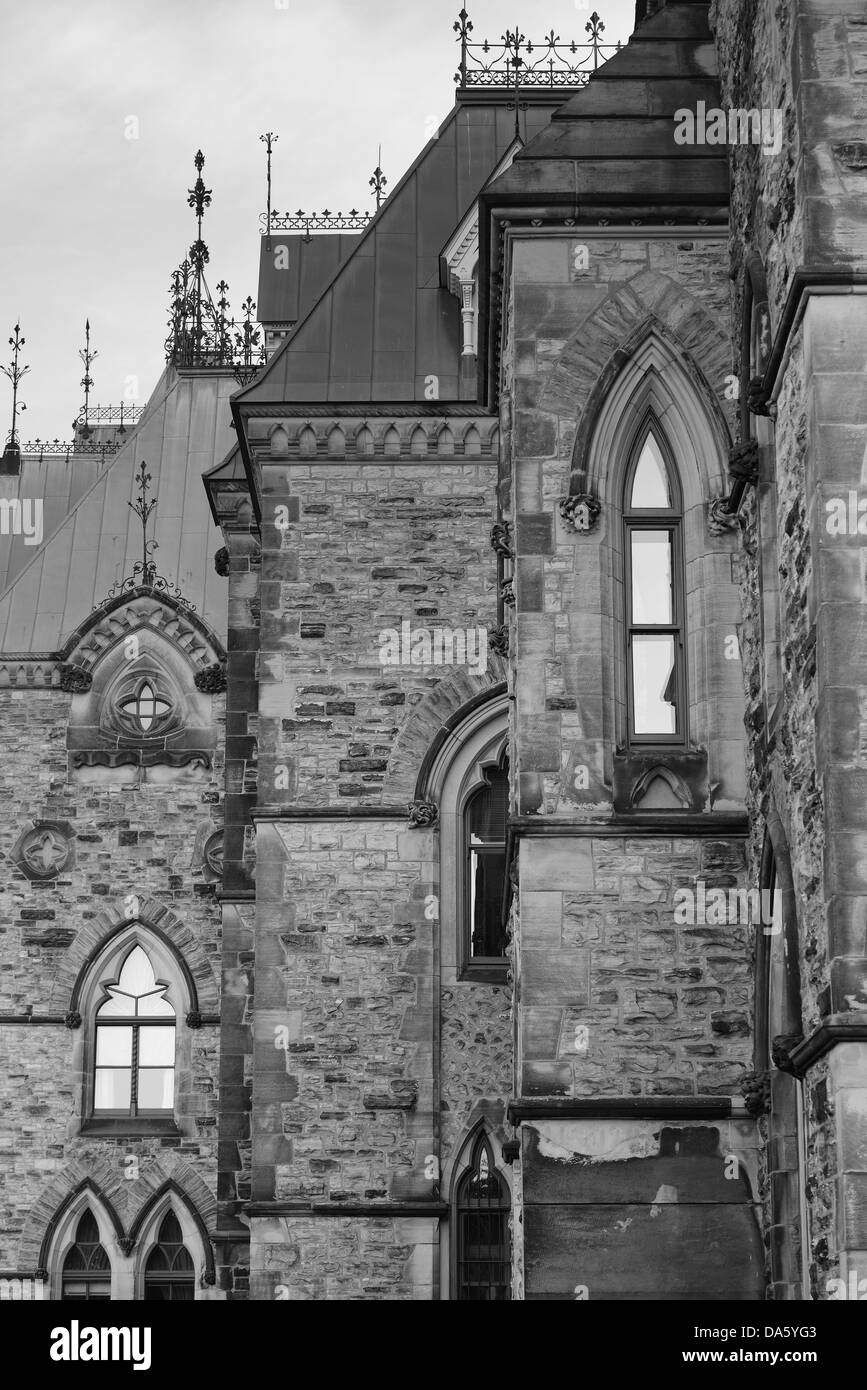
133, 1091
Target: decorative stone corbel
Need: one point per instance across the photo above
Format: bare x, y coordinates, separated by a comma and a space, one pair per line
194, 1019
211, 680
507, 593
221, 562
720, 521
422, 815
74, 679
511, 1150
782, 1048
580, 512
757, 403
126, 1244
744, 462
72, 1019
756, 1091
498, 640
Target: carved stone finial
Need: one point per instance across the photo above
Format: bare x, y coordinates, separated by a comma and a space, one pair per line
501, 539
498, 640
221, 561
74, 680
423, 815
580, 512
744, 462
211, 680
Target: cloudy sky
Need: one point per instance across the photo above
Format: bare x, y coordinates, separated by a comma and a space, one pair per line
95, 221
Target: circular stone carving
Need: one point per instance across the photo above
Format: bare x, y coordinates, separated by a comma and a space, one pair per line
44, 852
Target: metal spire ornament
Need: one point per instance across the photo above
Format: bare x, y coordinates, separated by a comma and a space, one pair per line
269, 140
199, 198
378, 182
87, 358
144, 571
15, 372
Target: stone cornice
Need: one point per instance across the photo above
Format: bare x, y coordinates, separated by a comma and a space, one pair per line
625, 1108
831, 1032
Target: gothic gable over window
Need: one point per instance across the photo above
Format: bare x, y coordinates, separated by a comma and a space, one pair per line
142, 711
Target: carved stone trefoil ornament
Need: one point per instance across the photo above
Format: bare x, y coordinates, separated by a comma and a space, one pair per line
423, 815
580, 512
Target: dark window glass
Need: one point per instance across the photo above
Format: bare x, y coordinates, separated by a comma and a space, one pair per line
169, 1275
483, 1261
486, 815
86, 1269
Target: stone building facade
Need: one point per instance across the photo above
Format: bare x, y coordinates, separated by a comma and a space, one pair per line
483, 826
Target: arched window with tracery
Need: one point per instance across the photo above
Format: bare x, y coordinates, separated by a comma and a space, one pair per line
169, 1273
485, 819
482, 1261
86, 1269
654, 593
134, 1046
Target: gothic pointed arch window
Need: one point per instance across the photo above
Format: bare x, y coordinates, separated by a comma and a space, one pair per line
86, 1269
134, 1045
169, 1272
485, 817
654, 593
482, 1261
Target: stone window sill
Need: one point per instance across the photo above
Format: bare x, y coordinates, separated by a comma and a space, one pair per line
127, 1127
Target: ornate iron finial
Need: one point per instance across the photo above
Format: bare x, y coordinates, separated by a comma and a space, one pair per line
15, 372
199, 198
269, 139
377, 183
516, 61
87, 358
249, 348
144, 571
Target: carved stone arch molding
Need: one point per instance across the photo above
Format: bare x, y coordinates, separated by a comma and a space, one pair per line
140, 671
125, 1212
430, 723
651, 374
153, 916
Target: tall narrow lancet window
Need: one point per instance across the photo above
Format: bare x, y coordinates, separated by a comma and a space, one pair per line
135, 1043
482, 1263
655, 606
169, 1274
86, 1269
486, 814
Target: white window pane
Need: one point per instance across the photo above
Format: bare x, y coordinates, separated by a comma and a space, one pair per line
112, 1088
652, 594
156, 1087
155, 1006
650, 484
137, 976
653, 681
118, 1006
113, 1047
156, 1047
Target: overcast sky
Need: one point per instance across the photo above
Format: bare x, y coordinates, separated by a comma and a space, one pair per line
94, 222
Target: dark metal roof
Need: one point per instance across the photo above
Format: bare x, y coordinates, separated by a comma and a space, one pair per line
384, 325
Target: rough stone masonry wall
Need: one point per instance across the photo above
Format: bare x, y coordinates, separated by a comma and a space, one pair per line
347, 962
125, 841
805, 207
